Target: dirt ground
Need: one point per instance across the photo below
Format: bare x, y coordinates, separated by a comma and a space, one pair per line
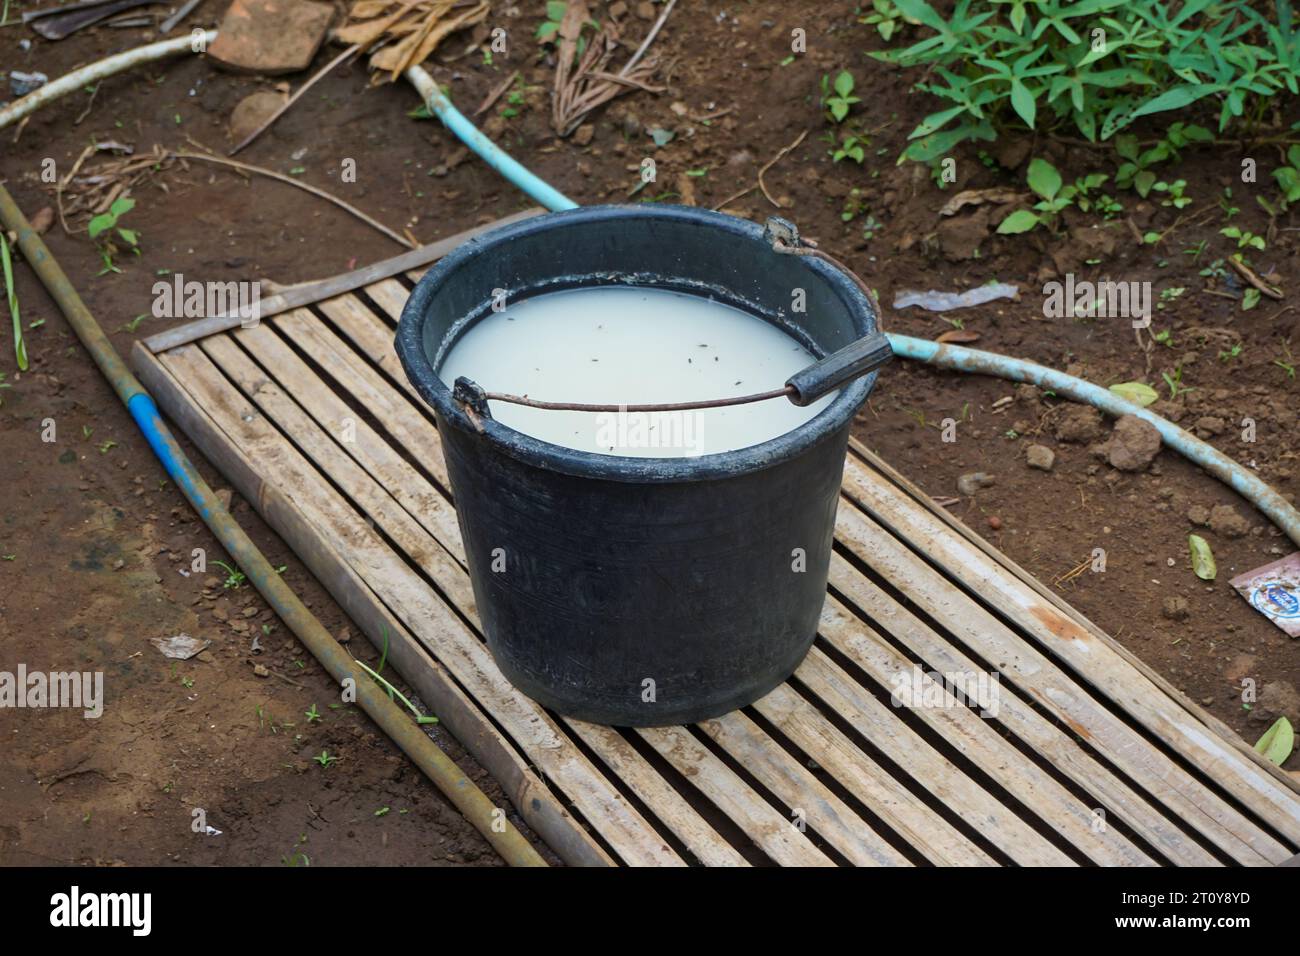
96, 543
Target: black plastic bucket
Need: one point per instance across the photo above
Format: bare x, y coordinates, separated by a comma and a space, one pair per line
641, 591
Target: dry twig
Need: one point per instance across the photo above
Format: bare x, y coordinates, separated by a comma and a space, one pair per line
584, 82
284, 107
759, 184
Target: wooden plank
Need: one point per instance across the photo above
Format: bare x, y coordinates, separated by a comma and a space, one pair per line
1025, 667
1114, 796
775, 835
678, 815
935, 772
1176, 696
422, 501
902, 811
390, 295
291, 297
358, 378
371, 336
1092, 659
975, 738
810, 801
322, 445
534, 801
422, 610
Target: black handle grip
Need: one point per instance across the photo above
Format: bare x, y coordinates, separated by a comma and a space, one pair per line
853, 361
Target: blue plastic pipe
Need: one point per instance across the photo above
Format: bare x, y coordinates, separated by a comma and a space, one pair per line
952, 357
492, 154
1231, 473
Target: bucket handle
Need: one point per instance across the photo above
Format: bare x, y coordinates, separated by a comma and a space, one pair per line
860, 357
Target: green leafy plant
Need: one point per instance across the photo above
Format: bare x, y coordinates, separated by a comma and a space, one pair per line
837, 95
1288, 177
11, 294
1054, 197
1245, 238
394, 692
324, 759
105, 225
886, 18
549, 29
871, 226
234, 577
295, 857
1288, 363
852, 145
1095, 65
1174, 193
1175, 383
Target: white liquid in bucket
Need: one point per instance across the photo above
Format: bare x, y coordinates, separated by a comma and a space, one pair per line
634, 346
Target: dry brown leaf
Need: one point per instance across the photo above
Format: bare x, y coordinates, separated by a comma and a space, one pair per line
958, 336
419, 46
366, 35
977, 197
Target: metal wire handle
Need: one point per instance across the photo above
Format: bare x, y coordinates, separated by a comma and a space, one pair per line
856, 359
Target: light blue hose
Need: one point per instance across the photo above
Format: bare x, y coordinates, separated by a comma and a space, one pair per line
952, 357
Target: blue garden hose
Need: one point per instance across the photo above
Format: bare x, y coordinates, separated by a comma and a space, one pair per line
952, 357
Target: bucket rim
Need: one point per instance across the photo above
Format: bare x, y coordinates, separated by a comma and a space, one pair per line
424, 377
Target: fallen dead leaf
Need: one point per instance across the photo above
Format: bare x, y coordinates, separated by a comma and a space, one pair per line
977, 197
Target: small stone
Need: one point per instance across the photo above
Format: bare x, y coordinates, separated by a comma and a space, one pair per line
206, 657
1080, 424
1176, 609
20, 84
1276, 699
972, 482
119, 564
584, 133
1225, 520
1133, 444
1040, 457
995, 522
345, 635
1241, 665
618, 10
645, 10
1198, 515
253, 111
224, 495
260, 671
1210, 425
246, 45
249, 612
210, 583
